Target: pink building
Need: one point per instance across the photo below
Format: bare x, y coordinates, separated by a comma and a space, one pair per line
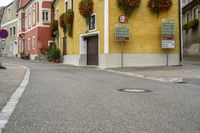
34, 18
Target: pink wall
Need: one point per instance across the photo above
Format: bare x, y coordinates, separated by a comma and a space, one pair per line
46, 4
42, 34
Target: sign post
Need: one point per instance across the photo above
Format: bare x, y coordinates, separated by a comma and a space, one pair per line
168, 36
122, 34
122, 54
3, 35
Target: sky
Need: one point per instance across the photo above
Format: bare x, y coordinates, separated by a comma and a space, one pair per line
5, 2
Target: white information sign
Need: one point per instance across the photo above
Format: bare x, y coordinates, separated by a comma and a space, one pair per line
168, 34
168, 44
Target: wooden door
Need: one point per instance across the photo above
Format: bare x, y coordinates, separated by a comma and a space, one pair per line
92, 50
64, 45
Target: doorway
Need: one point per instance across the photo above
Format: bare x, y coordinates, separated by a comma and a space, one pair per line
92, 50
64, 45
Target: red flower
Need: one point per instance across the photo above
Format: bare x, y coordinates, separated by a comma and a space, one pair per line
86, 8
159, 5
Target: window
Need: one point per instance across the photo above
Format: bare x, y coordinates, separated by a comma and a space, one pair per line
45, 16
56, 14
23, 44
29, 44
23, 22
10, 31
19, 24
8, 14
196, 13
34, 15
92, 22
29, 19
33, 43
26, 21
72, 4
14, 30
187, 18
66, 5
69, 4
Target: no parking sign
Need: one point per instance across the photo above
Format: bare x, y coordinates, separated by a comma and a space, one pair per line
3, 34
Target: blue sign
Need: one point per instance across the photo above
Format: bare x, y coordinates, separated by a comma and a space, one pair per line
3, 33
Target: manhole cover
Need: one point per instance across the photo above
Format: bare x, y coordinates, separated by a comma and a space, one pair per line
134, 90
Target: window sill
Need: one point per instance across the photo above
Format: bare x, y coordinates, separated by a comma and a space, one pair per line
92, 30
46, 21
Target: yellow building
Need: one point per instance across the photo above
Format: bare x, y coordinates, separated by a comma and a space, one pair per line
95, 43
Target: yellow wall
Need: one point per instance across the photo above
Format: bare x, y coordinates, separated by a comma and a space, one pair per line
145, 29
73, 44
60, 7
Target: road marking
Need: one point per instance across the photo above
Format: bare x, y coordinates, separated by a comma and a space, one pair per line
8, 109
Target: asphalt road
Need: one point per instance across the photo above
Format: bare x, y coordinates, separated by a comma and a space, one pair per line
10, 79
66, 99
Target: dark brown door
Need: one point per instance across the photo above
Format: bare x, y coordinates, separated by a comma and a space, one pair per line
92, 50
64, 45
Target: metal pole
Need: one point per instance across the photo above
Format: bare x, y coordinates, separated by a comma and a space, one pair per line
1, 61
0, 53
180, 32
167, 57
122, 54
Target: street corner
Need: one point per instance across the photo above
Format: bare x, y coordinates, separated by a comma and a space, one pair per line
10, 79
152, 73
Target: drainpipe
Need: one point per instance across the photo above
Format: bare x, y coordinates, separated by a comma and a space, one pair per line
180, 33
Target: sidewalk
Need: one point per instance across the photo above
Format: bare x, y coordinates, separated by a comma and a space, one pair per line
190, 69
10, 79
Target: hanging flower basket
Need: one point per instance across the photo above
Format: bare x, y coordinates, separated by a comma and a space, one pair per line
54, 27
127, 6
69, 22
86, 8
65, 18
159, 5
70, 16
61, 21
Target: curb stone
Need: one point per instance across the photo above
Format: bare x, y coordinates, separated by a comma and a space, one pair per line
8, 109
171, 80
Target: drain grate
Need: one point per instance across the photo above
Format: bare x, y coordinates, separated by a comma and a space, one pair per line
134, 90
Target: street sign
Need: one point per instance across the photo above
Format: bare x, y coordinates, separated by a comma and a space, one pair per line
3, 34
168, 34
122, 19
122, 32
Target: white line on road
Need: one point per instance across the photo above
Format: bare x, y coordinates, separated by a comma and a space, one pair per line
8, 109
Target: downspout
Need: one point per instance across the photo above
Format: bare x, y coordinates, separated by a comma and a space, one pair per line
180, 34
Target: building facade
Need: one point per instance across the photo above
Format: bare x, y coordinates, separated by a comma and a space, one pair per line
9, 22
191, 32
1, 14
95, 44
34, 26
